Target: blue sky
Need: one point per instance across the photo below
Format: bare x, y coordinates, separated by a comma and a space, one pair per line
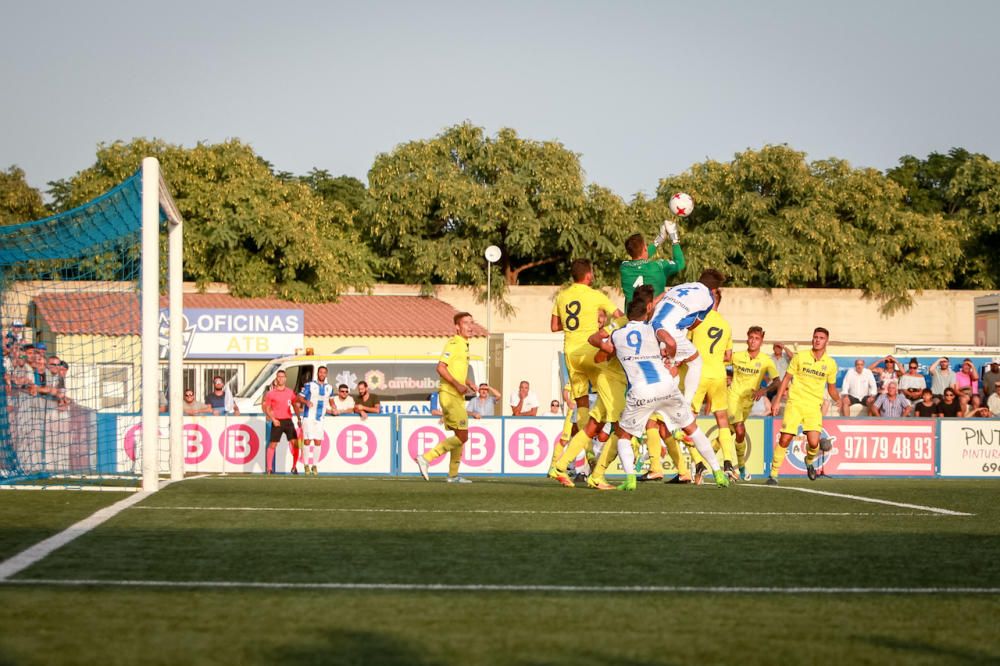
640, 90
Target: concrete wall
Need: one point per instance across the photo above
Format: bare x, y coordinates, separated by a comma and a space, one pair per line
938, 317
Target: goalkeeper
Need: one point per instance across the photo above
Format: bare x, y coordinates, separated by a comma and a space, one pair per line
644, 269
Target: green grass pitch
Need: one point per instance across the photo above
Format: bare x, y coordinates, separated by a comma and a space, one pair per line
746, 575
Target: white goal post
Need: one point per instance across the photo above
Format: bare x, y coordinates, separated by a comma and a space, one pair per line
156, 198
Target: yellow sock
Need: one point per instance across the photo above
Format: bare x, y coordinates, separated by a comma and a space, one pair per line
589, 452
608, 454
779, 457
728, 448
455, 461
557, 451
811, 454
582, 416
444, 447
655, 447
741, 453
572, 450
635, 448
674, 451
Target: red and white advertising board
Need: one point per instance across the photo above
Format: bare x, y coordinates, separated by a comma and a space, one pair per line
528, 444
238, 444
480, 455
867, 447
970, 447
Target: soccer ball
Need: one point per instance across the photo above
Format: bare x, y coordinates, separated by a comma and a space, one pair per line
681, 204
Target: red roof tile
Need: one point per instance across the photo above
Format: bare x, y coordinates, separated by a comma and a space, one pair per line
93, 313
118, 314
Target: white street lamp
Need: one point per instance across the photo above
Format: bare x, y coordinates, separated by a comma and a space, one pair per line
492, 255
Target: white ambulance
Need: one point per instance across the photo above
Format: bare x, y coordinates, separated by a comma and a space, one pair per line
404, 384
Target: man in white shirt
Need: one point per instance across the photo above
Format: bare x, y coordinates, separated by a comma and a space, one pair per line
858, 388
524, 402
993, 402
342, 403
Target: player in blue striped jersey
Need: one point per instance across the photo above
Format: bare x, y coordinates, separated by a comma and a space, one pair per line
315, 397
679, 310
652, 387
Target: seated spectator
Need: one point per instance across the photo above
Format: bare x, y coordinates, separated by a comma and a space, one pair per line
342, 403
220, 399
193, 408
989, 376
524, 402
555, 408
891, 404
993, 401
967, 381
949, 405
367, 402
484, 404
858, 388
925, 407
886, 370
942, 377
912, 383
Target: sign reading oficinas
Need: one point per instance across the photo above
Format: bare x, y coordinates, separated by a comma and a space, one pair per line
237, 333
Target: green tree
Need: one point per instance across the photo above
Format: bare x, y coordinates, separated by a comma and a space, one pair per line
19, 202
260, 234
976, 184
435, 205
771, 219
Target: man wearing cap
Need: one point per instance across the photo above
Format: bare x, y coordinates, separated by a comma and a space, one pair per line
990, 376
14, 339
993, 402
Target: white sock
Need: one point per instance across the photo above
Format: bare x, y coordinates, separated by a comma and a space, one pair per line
692, 378
625, 455
704, 448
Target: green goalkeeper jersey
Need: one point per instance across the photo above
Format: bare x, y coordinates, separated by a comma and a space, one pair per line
652, 271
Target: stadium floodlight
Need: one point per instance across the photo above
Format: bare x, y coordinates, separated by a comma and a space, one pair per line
79, 312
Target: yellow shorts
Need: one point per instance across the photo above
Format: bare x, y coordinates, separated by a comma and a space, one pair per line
739, 406
810, 417
455, 415
716, 391
611, 388
581, 368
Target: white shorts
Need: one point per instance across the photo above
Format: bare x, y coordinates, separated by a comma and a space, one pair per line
312, 429
642, 401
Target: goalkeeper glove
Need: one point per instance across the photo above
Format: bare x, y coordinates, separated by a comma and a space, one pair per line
669, 229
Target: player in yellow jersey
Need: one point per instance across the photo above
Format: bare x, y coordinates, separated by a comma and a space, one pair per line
607, 410
808, 372
750, 367
575, 313
713, 339
453, 368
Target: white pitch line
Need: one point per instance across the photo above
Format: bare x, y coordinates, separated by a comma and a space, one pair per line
525, 511
872, 500
444, 587
42, 549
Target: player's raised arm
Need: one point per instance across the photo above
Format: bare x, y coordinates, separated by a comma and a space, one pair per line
602, 341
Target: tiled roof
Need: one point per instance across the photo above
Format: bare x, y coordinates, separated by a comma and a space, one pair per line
90, 313
389, 316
